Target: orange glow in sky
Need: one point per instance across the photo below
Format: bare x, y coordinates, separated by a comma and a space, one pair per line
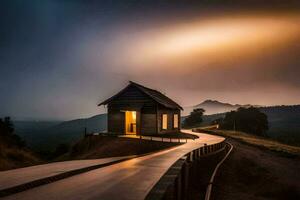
225, 34
200, 42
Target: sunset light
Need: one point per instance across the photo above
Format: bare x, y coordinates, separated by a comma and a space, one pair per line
212, 38
149, 100
221, 35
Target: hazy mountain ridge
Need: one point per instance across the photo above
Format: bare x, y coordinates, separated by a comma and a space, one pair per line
214, 106
47, 135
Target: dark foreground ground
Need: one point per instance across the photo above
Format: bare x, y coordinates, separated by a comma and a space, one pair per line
94, 147
254, 173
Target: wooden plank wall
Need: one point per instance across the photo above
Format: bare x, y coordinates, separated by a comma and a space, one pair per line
170, 113
149, 113
134, 100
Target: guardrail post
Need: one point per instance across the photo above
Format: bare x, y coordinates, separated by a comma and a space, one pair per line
190, 156
195, 155
185, 180
178, 187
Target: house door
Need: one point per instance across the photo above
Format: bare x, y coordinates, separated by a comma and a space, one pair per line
130, 122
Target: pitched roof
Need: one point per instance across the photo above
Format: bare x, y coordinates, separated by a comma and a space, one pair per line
154, 94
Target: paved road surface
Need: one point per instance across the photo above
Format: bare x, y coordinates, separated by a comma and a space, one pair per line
131, 179
19, 176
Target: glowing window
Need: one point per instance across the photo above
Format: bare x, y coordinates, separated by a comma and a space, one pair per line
133, 113
175, 121
164, 121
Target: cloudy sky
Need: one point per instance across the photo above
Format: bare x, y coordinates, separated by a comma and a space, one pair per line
58, 59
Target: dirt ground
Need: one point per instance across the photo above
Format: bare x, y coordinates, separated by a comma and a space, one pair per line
108, 146
254, 173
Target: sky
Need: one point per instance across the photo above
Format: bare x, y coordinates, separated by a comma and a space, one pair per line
59, 58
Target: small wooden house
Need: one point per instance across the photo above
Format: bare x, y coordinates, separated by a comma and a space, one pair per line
140, 110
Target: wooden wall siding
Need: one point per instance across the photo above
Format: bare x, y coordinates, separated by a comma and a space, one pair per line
138, 122
170, 114
149, 119
115, 122
148, 124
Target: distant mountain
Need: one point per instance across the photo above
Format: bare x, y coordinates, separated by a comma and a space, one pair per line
213, 107
284, 122
47, 135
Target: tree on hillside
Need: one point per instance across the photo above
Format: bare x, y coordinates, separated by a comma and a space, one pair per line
7, 135
249, 120
6, 126
217, 121
195, 118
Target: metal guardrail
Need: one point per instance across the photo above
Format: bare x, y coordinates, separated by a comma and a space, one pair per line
209, 187
144, 137
164, 139
174, 183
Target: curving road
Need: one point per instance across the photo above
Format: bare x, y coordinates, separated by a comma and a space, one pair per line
14, 177
131, 179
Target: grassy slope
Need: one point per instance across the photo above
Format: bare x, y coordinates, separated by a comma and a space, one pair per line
92, 147
254, 173
258, 168
13, 157
258, 141
110, 146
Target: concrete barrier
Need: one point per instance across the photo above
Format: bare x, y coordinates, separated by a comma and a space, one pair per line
174, 183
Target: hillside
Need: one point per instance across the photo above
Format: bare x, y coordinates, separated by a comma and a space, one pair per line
256, 173
14, 157
213, 107
47, 135
13, 151
255, 162
284, 122
94, 147
33, 131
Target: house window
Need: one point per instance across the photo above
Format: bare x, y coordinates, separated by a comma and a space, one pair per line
164, 121
175, 121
